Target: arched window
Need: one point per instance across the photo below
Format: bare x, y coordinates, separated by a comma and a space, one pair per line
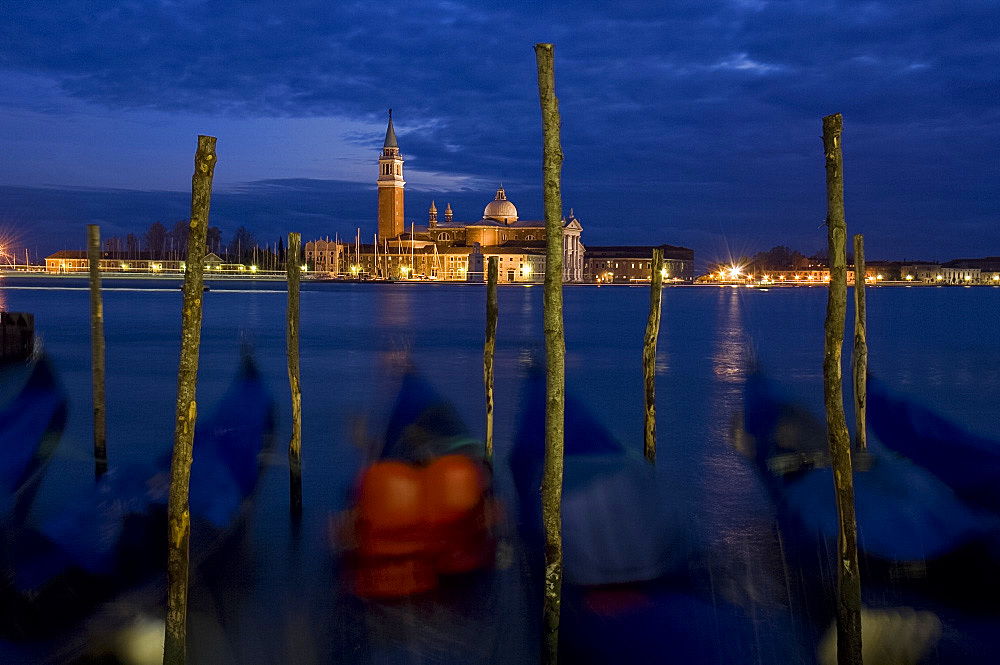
529, 237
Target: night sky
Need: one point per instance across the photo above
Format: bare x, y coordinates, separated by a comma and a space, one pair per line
691, 123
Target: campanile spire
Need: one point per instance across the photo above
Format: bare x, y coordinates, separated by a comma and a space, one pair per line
390, 186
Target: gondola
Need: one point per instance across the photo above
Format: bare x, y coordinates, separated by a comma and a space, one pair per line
422, 508
967, 462
67, 573
32, 418
630, 592
905, 515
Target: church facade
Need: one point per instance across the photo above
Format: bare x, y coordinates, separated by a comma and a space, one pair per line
444, 249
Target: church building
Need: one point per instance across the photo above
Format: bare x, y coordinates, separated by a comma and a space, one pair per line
444, 249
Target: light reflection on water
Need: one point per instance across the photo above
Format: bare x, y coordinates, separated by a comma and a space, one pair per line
352, 333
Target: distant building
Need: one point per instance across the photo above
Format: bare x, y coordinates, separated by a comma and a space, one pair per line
75, 261
445, 249
625, 264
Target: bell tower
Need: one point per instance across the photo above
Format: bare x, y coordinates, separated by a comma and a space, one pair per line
390, 186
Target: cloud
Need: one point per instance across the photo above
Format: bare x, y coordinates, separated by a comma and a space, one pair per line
707, 112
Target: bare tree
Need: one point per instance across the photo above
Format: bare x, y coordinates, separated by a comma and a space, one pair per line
243, 242
214, 240
179, 237
156, 239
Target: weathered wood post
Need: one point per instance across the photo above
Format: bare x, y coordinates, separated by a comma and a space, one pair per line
292, 269
555, 353
492, 274
848, 576
178, 513
649, 353
860, 356
97, 349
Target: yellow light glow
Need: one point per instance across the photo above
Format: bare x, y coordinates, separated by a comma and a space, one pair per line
996, 278
124, 266
909, 278
253, 268
243, 267
878, 276
939, 277
968, 277
305, 268
664, 274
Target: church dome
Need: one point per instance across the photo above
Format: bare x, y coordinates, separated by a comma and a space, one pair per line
501, 209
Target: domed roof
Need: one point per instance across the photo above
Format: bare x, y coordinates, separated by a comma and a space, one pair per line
500, 208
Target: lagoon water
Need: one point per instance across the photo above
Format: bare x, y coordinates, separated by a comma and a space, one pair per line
280, 603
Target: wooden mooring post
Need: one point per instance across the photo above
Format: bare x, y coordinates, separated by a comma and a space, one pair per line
555, 354
649, 354
292, 269
178, 511
859, 359
848, 575
492, 274
97, 350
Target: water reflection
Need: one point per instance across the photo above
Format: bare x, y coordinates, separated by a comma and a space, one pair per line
738, 522
731, 340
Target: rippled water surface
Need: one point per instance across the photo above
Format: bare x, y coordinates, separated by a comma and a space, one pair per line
279, 602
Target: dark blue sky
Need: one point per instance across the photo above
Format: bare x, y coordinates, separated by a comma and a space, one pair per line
694, 123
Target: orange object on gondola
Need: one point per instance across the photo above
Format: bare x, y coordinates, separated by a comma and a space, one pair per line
413, 522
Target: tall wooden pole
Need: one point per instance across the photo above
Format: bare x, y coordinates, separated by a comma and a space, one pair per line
848, 576
178, 513
492, 274
649, 353
555, 353
860, 356
97, 349
292, 268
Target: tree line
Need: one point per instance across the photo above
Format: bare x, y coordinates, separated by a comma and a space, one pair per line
159, 242
783, 258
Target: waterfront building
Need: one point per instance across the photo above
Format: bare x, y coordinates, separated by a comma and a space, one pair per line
69, 261
444, 249
622, 264
324, 256
919, 272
